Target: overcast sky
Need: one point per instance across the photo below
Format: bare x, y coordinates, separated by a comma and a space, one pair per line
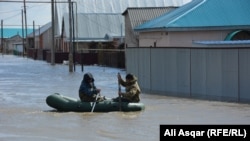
11, 13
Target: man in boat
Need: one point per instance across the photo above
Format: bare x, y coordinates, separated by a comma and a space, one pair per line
132, 89
88, 91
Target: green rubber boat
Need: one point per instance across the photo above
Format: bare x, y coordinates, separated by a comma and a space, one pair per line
67, 104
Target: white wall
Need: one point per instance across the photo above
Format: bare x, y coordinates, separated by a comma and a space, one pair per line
178, 39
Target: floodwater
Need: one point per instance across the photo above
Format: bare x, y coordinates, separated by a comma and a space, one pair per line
24, 115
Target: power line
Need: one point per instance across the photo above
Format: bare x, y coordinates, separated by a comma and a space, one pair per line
9, 11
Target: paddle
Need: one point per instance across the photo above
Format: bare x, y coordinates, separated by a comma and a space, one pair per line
94, 103
119, 90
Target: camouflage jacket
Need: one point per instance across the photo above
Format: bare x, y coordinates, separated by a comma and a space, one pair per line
132, 90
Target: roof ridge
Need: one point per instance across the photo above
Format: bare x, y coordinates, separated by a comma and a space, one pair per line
190, 10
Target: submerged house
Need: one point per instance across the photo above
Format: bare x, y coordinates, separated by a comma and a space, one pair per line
199, 50
97, 29
99, 21
13, 40
94, 28
40, 41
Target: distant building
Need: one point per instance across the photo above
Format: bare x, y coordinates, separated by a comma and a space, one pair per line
99, 21
41, 38
40, 41
15, 45
135, 16
95, 28
13, 40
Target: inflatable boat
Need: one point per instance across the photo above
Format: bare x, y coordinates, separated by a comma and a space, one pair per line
67, 104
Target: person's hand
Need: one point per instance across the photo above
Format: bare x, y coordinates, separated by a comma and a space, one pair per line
98, 90
119, 76
120, 94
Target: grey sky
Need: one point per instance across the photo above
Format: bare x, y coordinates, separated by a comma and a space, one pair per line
10, 13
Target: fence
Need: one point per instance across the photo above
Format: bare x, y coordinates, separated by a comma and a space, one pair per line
206, 73
110, 58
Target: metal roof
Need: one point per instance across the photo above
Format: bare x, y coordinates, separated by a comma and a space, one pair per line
135, 16
139, 15
10, 32
115, 6
203, 14
41, 30
96, 26
88, 7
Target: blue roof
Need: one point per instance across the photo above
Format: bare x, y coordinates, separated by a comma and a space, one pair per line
10, 32
203, 14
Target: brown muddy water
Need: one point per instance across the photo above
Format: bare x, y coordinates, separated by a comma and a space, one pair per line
25, 116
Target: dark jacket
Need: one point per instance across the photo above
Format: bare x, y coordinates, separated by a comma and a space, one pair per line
87, 90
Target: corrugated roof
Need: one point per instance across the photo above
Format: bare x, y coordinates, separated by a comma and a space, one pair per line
135, 16
41, 30
143, 14
203, 13
108, 6
10, 32
116, 6
95, 26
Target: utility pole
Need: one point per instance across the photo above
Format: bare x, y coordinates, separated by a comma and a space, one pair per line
2, 36
38, 39
53, 33
23, 35
73, 22
34, 35
70, 42
25, 19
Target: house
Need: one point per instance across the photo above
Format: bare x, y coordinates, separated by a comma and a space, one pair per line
97, 27
199, 50
13, 40
40, 41
42, 38
93, 20
195, 21
94, 28
134, 16
15, 45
